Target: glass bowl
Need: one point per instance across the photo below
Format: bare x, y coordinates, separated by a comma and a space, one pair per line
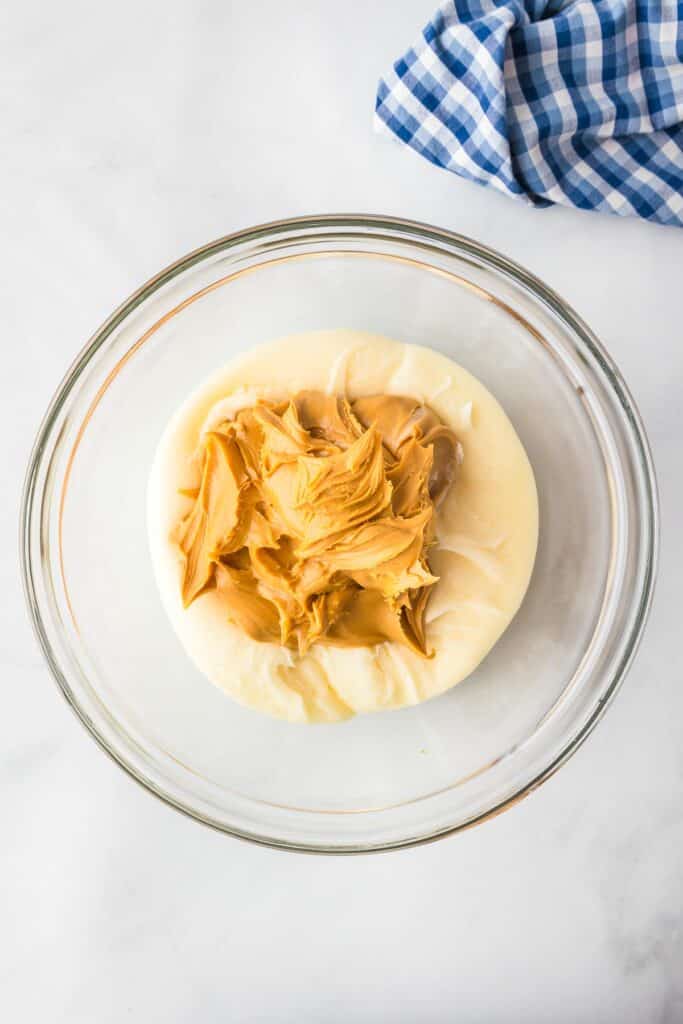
382, 780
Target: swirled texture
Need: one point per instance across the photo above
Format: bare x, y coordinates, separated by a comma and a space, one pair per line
312, 518
485, 529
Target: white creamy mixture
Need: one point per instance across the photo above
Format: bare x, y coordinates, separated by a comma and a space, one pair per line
487, 529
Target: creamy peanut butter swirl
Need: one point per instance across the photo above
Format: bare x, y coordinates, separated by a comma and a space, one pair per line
312, 518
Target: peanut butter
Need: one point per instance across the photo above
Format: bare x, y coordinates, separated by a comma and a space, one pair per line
313, 517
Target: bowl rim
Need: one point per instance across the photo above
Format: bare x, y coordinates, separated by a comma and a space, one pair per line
424, 232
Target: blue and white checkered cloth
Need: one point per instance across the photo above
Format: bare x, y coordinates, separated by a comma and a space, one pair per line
577, 102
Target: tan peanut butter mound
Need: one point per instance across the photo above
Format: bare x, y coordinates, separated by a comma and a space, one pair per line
312, 519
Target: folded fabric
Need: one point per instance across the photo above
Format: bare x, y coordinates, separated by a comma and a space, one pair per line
577, 102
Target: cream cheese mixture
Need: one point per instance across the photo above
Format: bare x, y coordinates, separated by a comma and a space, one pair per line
370, 448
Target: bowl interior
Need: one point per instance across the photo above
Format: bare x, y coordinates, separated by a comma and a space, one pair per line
382, 778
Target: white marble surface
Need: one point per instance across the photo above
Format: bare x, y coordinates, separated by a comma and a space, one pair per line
131, 133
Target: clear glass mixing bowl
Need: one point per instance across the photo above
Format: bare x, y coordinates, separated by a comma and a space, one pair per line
382, 780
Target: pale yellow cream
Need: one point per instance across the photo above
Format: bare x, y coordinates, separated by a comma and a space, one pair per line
479, 540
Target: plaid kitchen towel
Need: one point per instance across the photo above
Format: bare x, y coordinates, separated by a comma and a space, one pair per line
577, 102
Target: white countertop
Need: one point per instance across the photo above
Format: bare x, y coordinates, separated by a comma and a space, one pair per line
134, 132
